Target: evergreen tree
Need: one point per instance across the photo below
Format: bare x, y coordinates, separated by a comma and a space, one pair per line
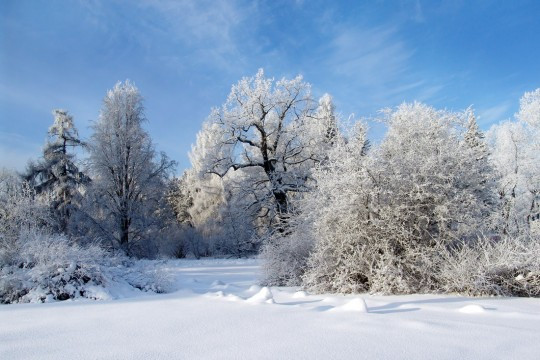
57, 173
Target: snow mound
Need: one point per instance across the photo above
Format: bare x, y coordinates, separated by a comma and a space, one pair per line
299, 295
254, 288
263, 296
472, 309
356, 305
218, 294
232, 297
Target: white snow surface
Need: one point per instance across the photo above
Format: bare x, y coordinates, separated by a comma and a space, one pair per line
210, 316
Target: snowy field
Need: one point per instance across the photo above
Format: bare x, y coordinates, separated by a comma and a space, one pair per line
218, 312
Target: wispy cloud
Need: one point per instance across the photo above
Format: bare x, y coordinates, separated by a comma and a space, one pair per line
373, 57
378, 65
209, 30
494, 114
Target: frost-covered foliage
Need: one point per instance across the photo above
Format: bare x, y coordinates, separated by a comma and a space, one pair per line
213, 220
487, 267
272, 134
57, 176
285, 259
48, 267
529, 110
286, 255
273, 131
37, 264
515, 148
20, 210
123, 203
381, 218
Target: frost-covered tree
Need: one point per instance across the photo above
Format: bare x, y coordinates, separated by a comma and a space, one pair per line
264, 128
57, 173
20, 210
215, 211
382, 219
515, 148
128, 176
331, 206
529, 110
476, 151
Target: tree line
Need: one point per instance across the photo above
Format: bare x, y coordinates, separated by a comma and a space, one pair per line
436, 206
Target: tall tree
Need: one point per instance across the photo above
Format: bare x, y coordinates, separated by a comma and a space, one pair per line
515, 148
128, 173
57, 173
263, 128
476, 152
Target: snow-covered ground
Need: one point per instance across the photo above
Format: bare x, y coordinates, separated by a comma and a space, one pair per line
219, 312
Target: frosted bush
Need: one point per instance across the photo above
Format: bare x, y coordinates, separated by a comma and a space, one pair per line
285, 259
48, 267
147, 275
507, 267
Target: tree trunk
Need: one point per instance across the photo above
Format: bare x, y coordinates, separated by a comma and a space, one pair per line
124, 232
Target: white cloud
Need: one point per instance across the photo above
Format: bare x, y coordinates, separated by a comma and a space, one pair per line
494, 114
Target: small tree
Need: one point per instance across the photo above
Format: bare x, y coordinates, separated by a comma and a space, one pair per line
128, 186
57, 173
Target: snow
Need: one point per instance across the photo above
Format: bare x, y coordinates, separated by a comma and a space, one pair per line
211, 315
473, 309
356, 305
263, 296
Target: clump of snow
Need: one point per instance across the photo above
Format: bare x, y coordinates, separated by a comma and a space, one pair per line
254, 288
472, 309
232, 297
299, 295
356, 305
263, 296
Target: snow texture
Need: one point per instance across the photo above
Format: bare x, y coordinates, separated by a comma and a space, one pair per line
196, 322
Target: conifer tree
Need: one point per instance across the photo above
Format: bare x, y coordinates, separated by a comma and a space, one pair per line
57, 173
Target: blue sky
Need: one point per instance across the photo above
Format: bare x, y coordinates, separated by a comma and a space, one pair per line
185, 55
